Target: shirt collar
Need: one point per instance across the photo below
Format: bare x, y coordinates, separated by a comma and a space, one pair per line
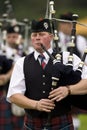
36, 54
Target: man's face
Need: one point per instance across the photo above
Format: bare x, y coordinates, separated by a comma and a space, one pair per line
39, 38
11, 39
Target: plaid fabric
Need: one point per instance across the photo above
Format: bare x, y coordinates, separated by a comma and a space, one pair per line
17, 122
57, 123
76, 111
5, 115
7, 120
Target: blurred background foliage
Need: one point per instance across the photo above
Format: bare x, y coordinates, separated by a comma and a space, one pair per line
35, 9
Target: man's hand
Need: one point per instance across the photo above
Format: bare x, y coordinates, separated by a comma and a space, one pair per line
58, 93
45, 105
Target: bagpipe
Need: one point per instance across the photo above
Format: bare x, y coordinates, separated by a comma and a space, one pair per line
63, 74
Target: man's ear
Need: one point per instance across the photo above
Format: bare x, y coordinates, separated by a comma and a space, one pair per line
51, 35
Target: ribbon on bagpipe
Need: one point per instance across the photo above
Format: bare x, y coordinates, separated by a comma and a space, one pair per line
64, 75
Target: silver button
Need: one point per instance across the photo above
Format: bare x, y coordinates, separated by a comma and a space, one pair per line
43, 76
43, 91
43, 83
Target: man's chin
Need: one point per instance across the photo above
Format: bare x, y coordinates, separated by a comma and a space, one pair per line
39, 50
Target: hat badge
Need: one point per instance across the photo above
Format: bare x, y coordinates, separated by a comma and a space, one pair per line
16, 29
45, 25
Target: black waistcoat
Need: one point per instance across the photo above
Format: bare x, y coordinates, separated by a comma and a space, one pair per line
38, 86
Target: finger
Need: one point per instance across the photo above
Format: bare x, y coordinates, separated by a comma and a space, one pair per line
48, 105
52, 92
47, 102
59, 99
56, 97
48, 109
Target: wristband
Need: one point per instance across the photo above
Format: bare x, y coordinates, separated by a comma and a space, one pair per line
36, 106
69, 91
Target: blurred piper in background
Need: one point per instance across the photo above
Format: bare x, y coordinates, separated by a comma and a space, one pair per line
65, 29
12, 49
